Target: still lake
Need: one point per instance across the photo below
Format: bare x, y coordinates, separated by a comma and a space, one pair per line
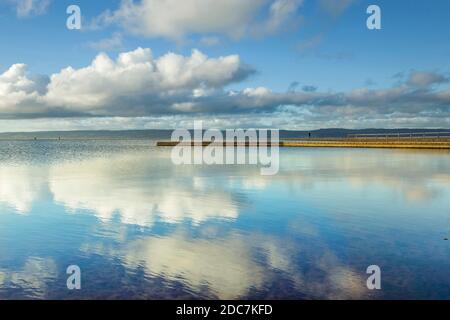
140, 227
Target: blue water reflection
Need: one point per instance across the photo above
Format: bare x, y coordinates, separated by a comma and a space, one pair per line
140, 227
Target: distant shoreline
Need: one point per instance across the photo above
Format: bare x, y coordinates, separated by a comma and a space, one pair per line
386, 143
163, 134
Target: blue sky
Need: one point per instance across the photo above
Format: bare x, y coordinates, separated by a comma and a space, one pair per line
393, 77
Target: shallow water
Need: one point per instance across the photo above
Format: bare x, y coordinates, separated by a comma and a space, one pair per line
140, 227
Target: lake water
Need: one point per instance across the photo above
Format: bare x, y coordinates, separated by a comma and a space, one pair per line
140, 227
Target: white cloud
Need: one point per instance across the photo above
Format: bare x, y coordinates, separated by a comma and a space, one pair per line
138, 85
257, 92
137, 73
175, 19
280, 12
30, 7
16, 88
112, 43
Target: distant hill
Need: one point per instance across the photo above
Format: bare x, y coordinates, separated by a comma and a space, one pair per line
101, 134
341, 133
165, 134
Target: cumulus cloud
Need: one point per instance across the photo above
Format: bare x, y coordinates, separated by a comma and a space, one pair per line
138, 85
18, 93
175, 19
136, 77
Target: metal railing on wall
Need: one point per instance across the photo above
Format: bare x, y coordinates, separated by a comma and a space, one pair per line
401, 135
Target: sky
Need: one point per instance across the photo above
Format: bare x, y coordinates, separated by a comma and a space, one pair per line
286, 64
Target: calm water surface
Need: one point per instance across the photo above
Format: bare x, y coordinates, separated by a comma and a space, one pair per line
140, 227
